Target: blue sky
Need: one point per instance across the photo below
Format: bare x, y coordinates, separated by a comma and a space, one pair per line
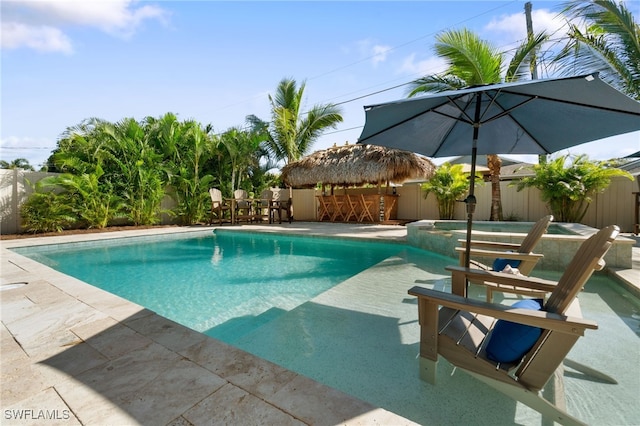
216, 62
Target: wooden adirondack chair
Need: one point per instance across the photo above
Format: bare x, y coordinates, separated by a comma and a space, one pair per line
282, 205
263, 206
523, 253
242, 205
461, 329
218, 207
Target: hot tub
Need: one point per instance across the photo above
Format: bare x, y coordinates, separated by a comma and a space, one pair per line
558, 245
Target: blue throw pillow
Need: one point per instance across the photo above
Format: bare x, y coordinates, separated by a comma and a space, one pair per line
499, 264
509, 341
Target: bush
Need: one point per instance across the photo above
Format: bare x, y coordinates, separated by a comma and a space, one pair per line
47, 212
448, 184
568, 187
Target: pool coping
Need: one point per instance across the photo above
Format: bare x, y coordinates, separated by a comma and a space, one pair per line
65, 341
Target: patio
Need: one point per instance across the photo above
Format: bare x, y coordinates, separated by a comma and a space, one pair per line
79, 355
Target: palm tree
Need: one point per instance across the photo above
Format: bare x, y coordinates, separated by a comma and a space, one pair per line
18, 163
609, 42
472, 61
136, 171
187, 175
448, 184
241, 146
291, 134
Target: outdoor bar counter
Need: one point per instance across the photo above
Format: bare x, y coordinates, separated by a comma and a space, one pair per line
357, 207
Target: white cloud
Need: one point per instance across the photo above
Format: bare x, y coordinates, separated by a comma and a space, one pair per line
378, 53
41, 24
513, 28
42, 38
429, 66
508, 31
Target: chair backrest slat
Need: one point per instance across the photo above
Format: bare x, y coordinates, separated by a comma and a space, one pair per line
535, 234
216, 195
588, 258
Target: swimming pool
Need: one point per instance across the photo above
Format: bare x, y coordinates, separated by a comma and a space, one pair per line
224, 284
361, 336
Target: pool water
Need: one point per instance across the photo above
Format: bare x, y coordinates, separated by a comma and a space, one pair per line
511, 227
223, 285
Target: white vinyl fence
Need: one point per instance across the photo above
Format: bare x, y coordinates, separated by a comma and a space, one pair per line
615, 206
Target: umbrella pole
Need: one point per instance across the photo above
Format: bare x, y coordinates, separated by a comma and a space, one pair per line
470, 201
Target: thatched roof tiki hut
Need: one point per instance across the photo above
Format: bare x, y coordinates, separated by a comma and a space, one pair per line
355, 165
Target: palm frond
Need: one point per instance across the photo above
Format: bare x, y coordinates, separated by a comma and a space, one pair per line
520, 66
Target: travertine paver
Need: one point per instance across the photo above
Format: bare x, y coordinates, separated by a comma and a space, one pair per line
81, 355
256, 375
234, 406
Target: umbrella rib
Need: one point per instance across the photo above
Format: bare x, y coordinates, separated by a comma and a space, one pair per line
468, 120
453, 117
580, 104
452, 100
504, 111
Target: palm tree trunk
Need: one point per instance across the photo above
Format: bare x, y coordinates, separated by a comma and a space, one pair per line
494, 163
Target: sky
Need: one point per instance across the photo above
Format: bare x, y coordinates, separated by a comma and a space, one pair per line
217, 62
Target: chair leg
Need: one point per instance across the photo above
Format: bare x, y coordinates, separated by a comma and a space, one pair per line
428, 370
533, 400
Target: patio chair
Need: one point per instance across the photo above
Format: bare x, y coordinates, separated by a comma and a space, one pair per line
218, 207
465, 332
367, 206
282, 204
243, 205
262, 206
518, 256
351, 203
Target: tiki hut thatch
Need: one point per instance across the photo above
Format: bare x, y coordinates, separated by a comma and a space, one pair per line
354, 165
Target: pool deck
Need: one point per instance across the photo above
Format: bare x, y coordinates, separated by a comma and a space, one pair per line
76, 354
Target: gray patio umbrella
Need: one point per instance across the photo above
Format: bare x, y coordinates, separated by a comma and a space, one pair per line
530, 117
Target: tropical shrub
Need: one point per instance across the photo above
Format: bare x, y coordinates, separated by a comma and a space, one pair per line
45, 211
93, 202
187, 177
448, 184
568, 187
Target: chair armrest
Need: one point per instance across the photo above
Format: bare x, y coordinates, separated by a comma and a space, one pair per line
496, 254
490, 245
472, 274
541, 319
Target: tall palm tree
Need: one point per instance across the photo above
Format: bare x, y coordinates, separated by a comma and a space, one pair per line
292, 133
472, 61
608, 42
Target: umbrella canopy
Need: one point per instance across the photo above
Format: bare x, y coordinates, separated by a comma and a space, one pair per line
530, 117
357, 165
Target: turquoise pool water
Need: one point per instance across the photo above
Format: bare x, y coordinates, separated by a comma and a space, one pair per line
509, 227
223, 285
